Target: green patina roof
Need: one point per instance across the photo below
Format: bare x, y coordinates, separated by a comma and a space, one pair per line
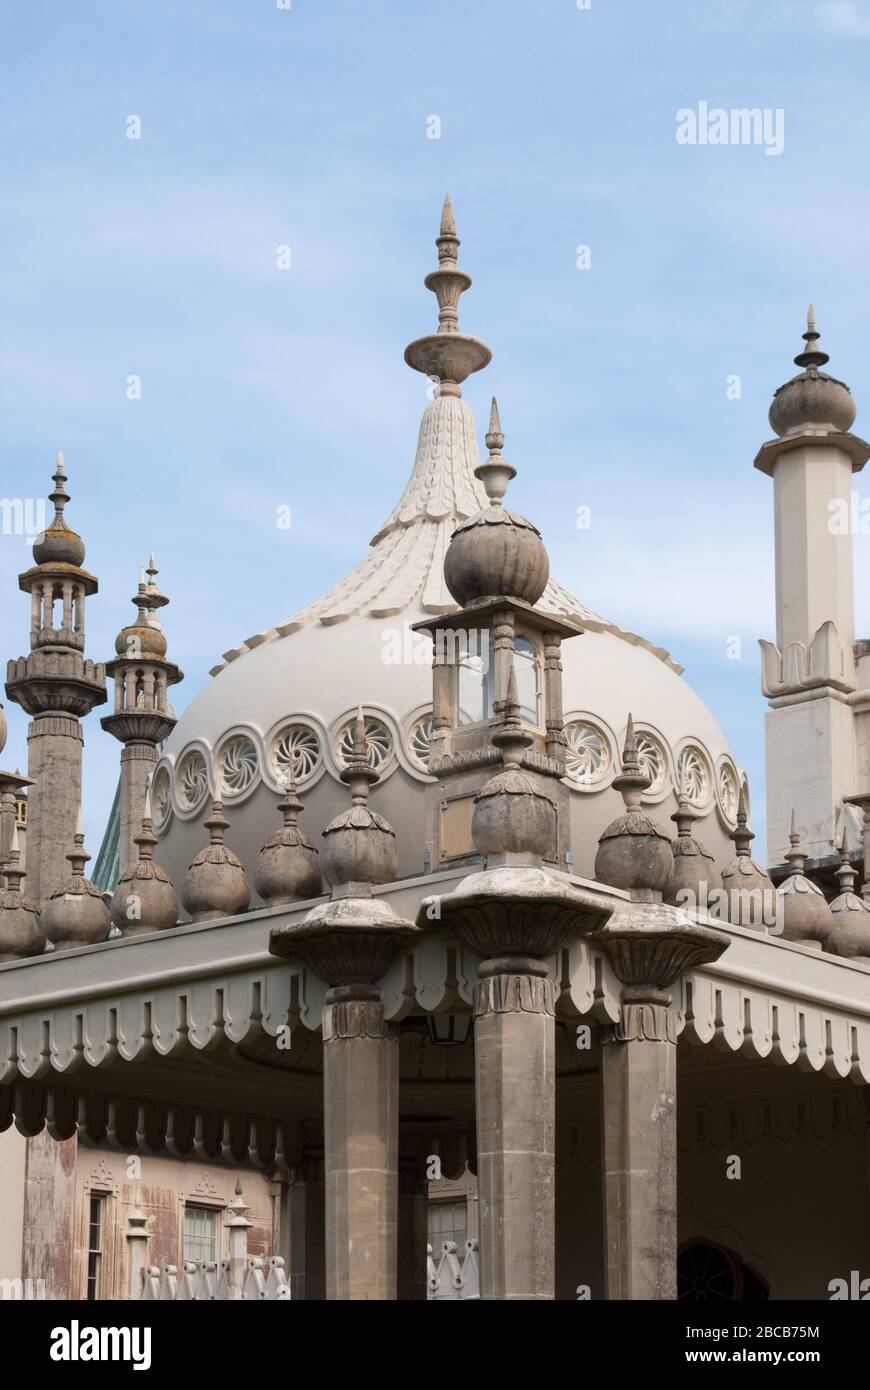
106, 868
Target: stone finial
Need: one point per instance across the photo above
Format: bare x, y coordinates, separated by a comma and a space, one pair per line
144, 899
806, 915
751, 897
359, 845
57, 544
215, 885
76, 914
144, 637
352, 939
813, 400
496, 553
448, 355
514, 819
850, 935
634, 851
288, 865
21, 934
695, 875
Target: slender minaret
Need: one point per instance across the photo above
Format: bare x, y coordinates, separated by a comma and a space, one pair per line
57, 686
809, 676
142, 717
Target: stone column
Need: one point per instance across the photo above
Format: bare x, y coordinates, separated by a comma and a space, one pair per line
413, 1219
650, 945
639, 1150
361, 1142
306, 1257
138, 761
137, 1247
54, 765
514, 1009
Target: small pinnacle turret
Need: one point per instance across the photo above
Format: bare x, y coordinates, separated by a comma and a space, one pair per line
695, 875
57, 686
76, 915
288, 865
144, 900
806, 915
21, 933
142, 717
850, 936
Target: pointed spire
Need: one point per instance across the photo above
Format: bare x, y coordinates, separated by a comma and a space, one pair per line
741, 834
811, 356
633, 781
358, 774
796, 856
846, 874
59, 496
685, 814
14, 873
495, 472
510, 737
447, 355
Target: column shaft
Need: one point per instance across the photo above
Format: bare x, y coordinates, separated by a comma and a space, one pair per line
54, 763
361, 1142
138, 761
639, 1157
516, 1124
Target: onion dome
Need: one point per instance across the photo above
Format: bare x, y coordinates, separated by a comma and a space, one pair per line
513, 814
751, 897
144, 637
695, 875
812, 400
359, 845
806, 916
76, 915
57, 544
215, 885
496, 553
21, 934
634, 851
288, 866
850, 936
144, 900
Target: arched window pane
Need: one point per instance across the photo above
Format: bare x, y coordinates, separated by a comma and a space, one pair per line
528, 686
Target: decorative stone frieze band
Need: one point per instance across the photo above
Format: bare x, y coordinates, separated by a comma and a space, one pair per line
56, 725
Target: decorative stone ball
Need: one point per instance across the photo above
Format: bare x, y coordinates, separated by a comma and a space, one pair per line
850, 934
513, 816
496, 553
76, 915
20, 930
812, 399
140, 639
288, 868
634, 852
59, 545
751, 896
694, 875
215, 885
806, 915
144, 900
359, 846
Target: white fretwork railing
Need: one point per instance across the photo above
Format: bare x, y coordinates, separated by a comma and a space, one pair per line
203, 1280
453, 1276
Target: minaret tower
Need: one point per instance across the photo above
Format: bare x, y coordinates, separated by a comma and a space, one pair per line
142, 716
810, 676
57, 686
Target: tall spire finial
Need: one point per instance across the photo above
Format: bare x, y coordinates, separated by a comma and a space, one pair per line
741, 834
796, 855
447, 355
495, 472
59, 496
632, 781
811, 356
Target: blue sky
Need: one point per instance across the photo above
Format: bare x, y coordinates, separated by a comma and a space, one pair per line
307, 127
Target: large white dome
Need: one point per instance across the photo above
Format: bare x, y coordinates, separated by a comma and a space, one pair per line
292, 690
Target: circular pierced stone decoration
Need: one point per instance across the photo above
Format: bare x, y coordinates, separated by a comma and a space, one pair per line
652, 761
729, 792
161, 797
587, 753
191, 780
419, 740
692, 775
239, 764
296, 748
378, 742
